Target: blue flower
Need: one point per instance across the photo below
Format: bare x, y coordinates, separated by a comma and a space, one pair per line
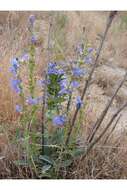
15, 65
88, 60
90, 50
33, 39
25, 57
64, 91
77, 72
78, 102
32, 19
55, 71
75, 84
63, 83
52, 71
59, 120
32, 101
15, 62
60, 72
13, 71
18, 108
15, 85
51, 65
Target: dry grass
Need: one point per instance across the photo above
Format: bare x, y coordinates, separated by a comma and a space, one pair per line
103, 161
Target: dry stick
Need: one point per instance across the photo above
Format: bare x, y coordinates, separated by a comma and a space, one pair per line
110, 19
90, 146
100, 120
43, 126
44, 102
113, 128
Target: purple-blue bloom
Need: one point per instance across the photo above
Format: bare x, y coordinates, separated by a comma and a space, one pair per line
33, 39
55, 71
32, 101
59, 120
75, 84
13, 71
77, 72
15, 62
60, 72
64, 91
18, 108
15, 85
63, 83
52, 71
88, 60
51, 65
32, 19
90, 49
25, 57
78, 102
15, 65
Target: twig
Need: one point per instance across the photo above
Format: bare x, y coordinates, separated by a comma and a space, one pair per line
113, 128
69, 102
100, 120
110, 19
90, 146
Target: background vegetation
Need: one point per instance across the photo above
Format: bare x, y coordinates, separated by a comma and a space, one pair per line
58, 34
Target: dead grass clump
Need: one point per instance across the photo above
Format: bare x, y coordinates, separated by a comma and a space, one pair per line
103, 162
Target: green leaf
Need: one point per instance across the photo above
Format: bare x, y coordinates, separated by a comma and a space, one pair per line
46, 159
45, 176
45, 168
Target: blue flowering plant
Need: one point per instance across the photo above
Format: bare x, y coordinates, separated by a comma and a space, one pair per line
85, 53
62, 86
47, 149
57, 89
51, 120
28, 103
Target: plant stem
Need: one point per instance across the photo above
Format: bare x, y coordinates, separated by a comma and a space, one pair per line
100, 120
113, 128
110, 19
90, 146
44, 96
